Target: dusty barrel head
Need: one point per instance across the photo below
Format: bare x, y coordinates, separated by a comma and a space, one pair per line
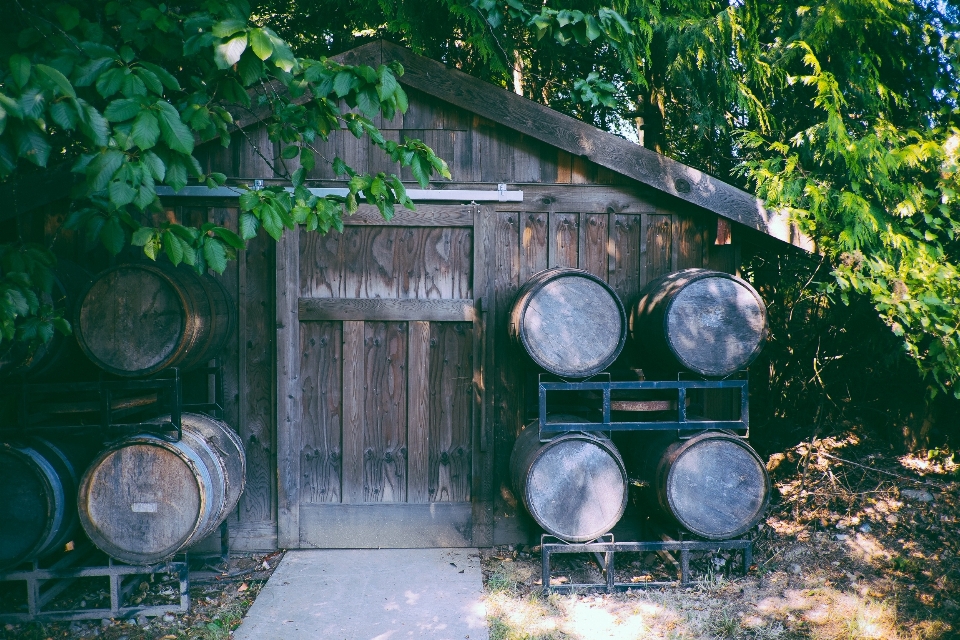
137, 319
570, 322
708, 322
574, 485
713, 484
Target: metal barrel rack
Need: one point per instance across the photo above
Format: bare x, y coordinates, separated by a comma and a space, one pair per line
605, 548
44, 583
107, 409
667, 415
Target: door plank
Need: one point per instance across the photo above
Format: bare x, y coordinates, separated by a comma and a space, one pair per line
353, 412
418, 426
288, 391
320, 374
451, 410
593, 243
533, 243
385, 428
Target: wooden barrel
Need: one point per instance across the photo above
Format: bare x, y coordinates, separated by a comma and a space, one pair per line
59, 356
38, 505
713, 484
137, 319
574, 485
570, 322
709, 322
146, 498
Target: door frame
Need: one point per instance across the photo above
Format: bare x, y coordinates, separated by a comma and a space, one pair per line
475, 527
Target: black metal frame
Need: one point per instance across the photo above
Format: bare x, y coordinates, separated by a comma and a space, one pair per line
61, 575
605, 548
168, 385
604, 384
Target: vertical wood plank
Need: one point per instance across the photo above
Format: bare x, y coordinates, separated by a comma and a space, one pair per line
258, 408
482, 474
410, 266
321, 387
689, 241
564, 162
256, 158
229, 357
564, 234
385, 424
418, 427
533, 243
593, 243
625, 236
353, 412
321, 264
657, 259
451, 410
288, 391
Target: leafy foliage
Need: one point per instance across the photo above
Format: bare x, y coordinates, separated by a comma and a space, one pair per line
121, 93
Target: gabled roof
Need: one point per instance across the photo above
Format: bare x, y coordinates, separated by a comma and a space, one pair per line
576, 137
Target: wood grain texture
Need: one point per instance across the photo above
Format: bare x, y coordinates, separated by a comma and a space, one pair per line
593, 244
657, 247
368, 260
288, 391
321, 264
448, 256
626, 256
564, 236
573, 136
418, 412
321, 345
533, 243
483, 480
689, 240
354, 410
257, 402
385, 309
385, 400
451, 411
396, 525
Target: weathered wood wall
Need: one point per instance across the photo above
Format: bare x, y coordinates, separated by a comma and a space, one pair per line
575, 213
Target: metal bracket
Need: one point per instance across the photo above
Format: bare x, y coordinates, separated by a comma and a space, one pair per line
502, 191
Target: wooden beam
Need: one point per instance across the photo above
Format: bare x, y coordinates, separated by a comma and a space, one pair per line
569, 134
385, 310
288, 391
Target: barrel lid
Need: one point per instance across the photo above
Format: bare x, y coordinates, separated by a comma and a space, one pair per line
716, 324
576, 488
131, 319
24, 506
141, 501
573, 324
717, 487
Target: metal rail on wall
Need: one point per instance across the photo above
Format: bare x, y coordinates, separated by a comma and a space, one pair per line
601, 404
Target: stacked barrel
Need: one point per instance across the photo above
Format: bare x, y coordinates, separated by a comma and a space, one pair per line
571, 324
145, 497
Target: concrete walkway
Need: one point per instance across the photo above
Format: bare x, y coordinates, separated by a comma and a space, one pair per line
370, 594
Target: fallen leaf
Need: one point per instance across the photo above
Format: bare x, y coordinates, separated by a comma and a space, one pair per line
242, 588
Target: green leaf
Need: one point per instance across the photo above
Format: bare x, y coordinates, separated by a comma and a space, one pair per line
58, 79
343, 83
61, 325
145, 130
260, 42
297, 178
68, 16
20, 69
175, 133
388, 83
248, 225
110, 82
63, 114
307, 159
151, 81
229, 237
168, 80
153, 162
421, 171
101, 169
32, 103
368, 101
249, 200
227, 28
112, 236
122, 110
215, 255
290, 152
173, 247
121, 193
176, 174
93, 125
142, 236
228, 53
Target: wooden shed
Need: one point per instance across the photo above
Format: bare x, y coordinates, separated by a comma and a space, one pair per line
371, 377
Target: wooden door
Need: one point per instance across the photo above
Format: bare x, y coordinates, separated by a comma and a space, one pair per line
380, 383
